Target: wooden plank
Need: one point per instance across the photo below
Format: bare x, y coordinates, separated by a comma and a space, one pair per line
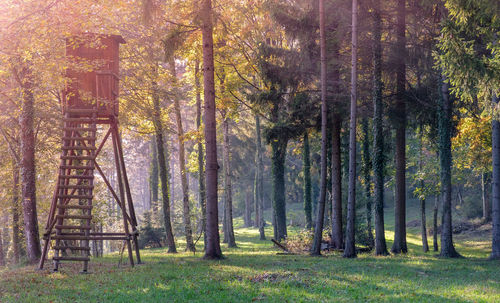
72, 248
71, 258
81, 217
67, 206
73, 227
78, 148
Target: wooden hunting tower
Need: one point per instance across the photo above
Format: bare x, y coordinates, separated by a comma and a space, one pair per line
89, 100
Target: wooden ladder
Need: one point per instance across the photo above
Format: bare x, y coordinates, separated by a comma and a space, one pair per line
75, 188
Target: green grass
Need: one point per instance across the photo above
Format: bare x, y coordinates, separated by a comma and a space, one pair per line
253, 272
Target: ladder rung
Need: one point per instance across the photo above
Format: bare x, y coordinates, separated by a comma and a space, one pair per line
76, 186
76, 167
81, 120
72, 227
91, 238
79, 148
80, 138
81, 110
67, 206
72, 248
76, 177
71, 258
77, 157
82, 217
80, 129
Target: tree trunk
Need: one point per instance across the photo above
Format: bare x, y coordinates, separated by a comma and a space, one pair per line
213, 250
337, 240
495, 184
399, 245
182, 166
2, 249
423, 221
158, 125
153, 175
318, 230
435, 223
367, 180
28, 173
444, 127
350, 249
201, 168
378, 133
228, 201
248, 209
16, 242
259, 184
486, 200
278, 149
307, 181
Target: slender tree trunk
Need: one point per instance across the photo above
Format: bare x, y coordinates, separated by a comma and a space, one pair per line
259, 184
228, 201
486, 200
16, 242
318, 230
495, 184
28, 173
350, 249
399, 245
158, 125
435, 224
278, 148
2, 249
182, 166
366, 170
153, 175
378, 133
307, 181
201, 168
423, 221
337, 240
248, 209
213, 250
444, 126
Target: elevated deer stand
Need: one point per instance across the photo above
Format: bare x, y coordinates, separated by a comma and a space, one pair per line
89, 100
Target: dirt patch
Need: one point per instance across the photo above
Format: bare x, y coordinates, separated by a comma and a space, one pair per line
271, 277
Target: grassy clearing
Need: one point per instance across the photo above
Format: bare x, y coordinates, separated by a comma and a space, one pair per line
253, 272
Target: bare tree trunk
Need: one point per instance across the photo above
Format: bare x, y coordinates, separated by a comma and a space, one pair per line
158, 125
228, 201
350, 249
444, 126
248, 209
337, 240
201, 166
378, 133
182, 167
153, 177
28, 172
399, 245
318, 230
259, 182
213, 250
306, 168
486, 200
2, 249
423, 221
366, 171
16, 242
495, 184
435, 223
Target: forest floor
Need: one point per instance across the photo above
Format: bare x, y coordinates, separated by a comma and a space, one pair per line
254, 272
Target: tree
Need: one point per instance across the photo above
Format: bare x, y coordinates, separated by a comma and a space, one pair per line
259, 181
318, 230
228, 192
212, 250
182, 165
365, 171
399, 245
350, 249
153, 174
201, 166
28, 170
306, 156
378, 135
444, 126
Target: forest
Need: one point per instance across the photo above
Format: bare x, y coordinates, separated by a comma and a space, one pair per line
249, 150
